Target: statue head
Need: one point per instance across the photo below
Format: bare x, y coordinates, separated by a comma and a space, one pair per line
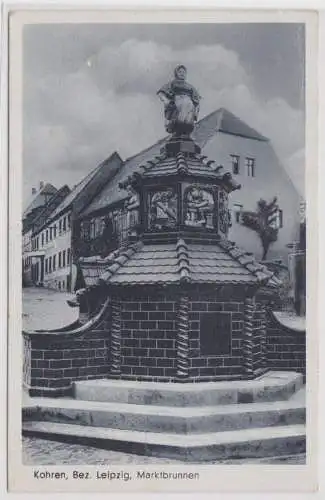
180, 72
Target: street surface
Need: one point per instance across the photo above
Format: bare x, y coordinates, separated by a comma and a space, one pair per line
42, 452
46, 309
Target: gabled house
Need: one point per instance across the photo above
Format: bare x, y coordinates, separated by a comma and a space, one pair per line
33, 257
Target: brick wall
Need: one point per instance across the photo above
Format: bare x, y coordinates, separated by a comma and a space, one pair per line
149, 337
149, 325
57, 359
148, 346
286, 348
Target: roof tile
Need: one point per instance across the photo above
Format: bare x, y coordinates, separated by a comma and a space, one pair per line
173, 263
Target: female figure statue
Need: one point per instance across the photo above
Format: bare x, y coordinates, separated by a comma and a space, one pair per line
181, 101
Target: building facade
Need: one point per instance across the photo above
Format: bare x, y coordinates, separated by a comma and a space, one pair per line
53, 242
53, 237
38, 204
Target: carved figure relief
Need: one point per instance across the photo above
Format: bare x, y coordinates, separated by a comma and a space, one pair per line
132, 205
199, 207
162, 209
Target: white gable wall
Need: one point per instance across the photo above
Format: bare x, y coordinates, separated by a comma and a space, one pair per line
270, 180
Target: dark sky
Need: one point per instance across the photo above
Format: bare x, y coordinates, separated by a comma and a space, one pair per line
90, 89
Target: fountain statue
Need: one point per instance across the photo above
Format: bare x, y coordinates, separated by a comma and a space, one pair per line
181, 102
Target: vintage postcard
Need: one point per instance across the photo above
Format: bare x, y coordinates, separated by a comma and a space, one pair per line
162, 278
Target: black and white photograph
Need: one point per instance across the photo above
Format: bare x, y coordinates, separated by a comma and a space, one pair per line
163, 250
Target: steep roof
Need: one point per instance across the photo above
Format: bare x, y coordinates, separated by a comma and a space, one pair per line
111, 192
223, 120
218, 121
110, 165
37, 199
174, 263
29, 219
50, 207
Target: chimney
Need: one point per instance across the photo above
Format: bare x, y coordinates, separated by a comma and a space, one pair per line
41, 185
34, 191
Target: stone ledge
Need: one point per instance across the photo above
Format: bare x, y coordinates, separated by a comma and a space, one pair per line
160, 419
272, 386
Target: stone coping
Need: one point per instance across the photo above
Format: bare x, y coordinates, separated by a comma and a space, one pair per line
275, 378
294, 324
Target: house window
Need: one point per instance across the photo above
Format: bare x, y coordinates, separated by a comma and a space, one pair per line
235, 164
59, 259
54, 230
63, 258
92, 229
68, 256
47, 236
215, 334
50, 264
237, 212
85, 231
60, 226
69, 221
42, 239
46, 266
54, 262
250, 167
64, 223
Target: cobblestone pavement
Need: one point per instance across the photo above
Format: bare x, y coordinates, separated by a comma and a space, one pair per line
42, 452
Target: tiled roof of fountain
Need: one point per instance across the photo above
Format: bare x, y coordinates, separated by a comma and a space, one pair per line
195, 164
178, 262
